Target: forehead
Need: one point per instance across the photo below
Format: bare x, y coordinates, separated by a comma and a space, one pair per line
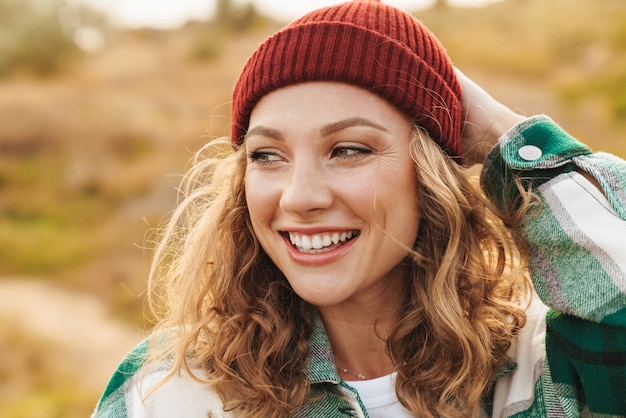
324, 102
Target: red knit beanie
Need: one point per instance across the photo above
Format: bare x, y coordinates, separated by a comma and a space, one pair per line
365, 43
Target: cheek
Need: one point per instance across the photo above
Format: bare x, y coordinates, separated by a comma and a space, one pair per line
398, 206
411, 207
261, 200
255, 199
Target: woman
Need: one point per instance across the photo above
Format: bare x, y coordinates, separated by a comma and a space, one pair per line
342, 262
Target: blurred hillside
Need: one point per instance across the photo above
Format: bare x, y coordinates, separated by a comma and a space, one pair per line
569, 51
92, 151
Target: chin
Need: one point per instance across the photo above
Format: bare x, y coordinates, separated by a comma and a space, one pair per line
320, 298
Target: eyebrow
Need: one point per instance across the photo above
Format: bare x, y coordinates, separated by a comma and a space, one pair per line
331, 128
264, 131
326, 130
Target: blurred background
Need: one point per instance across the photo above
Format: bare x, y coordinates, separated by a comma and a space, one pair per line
102, 104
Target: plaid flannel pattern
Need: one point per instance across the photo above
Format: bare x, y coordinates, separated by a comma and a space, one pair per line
577, 241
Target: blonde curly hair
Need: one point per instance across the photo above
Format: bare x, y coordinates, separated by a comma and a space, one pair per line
228, 310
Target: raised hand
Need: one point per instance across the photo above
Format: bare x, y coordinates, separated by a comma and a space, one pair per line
485, 120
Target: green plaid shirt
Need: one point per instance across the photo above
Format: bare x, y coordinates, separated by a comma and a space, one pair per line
577, 241
571, 355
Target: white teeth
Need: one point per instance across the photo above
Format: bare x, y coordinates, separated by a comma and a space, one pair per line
314, 243
327, 241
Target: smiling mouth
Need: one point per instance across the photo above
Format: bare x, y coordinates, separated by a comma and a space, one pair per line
318, 243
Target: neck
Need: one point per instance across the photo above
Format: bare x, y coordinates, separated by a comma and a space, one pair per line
358, 335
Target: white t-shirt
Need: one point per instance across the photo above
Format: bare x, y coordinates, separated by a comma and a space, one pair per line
379, 397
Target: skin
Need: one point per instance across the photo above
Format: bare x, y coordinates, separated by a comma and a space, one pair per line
328, 158
485, 120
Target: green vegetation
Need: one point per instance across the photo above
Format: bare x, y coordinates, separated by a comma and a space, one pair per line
44, 37
50, 218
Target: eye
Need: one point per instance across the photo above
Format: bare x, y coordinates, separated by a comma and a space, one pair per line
352, 151
263, 157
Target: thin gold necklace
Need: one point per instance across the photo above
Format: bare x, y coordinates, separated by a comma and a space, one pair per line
359, 375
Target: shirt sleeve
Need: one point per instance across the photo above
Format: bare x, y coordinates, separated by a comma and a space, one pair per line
576, 237
142, 389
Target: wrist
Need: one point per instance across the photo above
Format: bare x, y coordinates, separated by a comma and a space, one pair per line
503, 121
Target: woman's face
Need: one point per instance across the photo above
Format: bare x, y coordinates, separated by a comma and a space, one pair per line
331, 190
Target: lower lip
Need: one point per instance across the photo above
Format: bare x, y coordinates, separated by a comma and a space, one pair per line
325, 257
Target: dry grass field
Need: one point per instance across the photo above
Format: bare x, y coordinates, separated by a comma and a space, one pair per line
90, 160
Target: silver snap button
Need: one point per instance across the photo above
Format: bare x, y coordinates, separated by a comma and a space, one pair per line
530, 152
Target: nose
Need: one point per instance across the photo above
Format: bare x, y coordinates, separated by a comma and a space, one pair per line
307, 189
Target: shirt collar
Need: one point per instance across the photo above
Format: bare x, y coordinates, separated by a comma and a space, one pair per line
321, 367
